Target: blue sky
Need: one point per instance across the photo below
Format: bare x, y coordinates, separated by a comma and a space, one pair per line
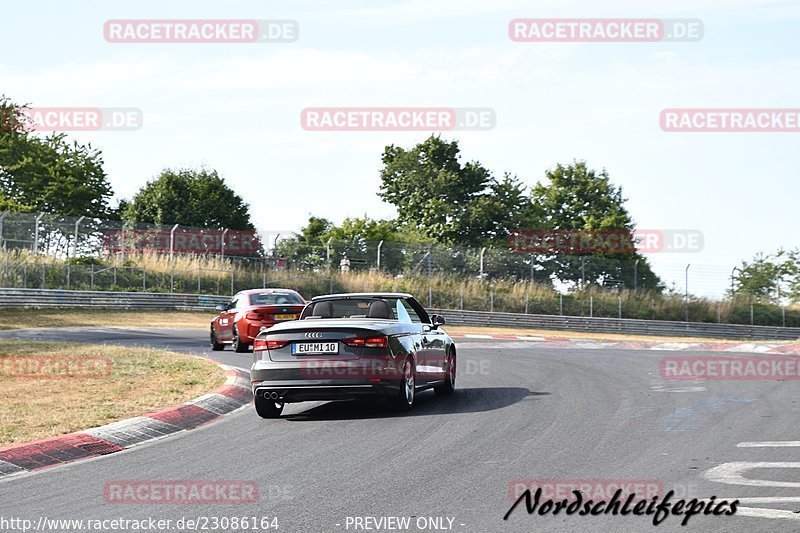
236, 107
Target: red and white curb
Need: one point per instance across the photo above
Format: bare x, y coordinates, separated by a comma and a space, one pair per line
112, 438
592, 344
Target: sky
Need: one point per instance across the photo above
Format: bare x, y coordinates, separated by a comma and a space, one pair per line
236, 108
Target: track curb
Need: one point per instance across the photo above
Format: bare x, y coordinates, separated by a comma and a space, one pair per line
124, 434
561, 342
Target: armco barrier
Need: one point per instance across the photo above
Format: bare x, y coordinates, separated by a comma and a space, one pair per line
617, 325
108, 299
199, 302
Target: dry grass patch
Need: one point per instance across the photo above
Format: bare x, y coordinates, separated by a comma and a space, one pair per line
18, 318
93, 385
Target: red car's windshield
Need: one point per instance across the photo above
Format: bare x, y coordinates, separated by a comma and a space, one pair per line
271, 298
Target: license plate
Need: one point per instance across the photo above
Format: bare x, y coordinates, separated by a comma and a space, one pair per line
285, 317
314, 348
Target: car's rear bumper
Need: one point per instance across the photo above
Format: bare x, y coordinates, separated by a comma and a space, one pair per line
325, 380
324, 391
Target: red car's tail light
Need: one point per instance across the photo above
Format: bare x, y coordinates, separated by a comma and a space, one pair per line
367, 342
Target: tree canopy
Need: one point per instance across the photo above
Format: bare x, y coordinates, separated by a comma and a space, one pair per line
49, 173
197, 198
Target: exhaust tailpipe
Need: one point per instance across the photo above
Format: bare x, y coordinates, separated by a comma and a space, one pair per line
274, 395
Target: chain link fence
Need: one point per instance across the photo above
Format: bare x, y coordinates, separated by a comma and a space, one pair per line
51, 252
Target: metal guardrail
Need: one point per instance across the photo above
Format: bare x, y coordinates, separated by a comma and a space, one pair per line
107, 299
199, 302
618, 325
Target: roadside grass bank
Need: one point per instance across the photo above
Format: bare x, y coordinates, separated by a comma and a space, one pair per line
22, 318
215, 275
52, 389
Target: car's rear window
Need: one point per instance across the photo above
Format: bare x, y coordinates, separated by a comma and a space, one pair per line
272, 298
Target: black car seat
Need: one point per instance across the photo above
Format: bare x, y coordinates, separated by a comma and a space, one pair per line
379, 309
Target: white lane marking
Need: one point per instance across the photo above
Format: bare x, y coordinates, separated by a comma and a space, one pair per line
767, 513
476, 336
537, 339
731, 474
770, 444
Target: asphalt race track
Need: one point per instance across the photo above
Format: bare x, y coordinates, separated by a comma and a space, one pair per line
520, 412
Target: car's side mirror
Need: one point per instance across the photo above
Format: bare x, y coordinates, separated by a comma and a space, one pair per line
437, 320
221, 307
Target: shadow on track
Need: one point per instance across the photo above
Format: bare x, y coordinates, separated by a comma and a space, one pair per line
475, 400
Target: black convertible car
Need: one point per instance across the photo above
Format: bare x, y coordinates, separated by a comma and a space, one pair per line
347, 346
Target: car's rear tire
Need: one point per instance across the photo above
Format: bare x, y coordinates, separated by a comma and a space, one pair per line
404, 400
268, 408
215, 346
450, 381
238, 345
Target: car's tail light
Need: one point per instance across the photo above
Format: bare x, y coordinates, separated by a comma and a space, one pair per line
253, 315
367, 342
274, 345
259, 345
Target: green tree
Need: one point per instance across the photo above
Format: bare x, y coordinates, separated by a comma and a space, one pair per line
196, 198
452, 203
763, 276
48, 173
574, 199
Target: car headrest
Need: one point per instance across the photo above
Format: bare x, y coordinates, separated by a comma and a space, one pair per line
323, 309
379, 309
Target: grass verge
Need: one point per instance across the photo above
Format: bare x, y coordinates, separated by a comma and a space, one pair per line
49, 318
51, 390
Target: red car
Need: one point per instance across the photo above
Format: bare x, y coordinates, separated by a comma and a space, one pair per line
248, 312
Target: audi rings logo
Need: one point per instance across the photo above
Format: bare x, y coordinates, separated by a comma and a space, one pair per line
313, 335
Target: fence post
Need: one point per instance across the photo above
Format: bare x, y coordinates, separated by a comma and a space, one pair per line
491, 301
91, 278
591, 307
430, 296
483, 250
751, 314
44, 266
327, 252
2, 222
462, 298
526, 304
25, 275
144, 278
783, 315
719, 313
172, 241
561, 304
68, 273
619, 303
635, 275
115, 275
75, 241
36, 234
222, 244
380, 245
198, 279
686, 294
